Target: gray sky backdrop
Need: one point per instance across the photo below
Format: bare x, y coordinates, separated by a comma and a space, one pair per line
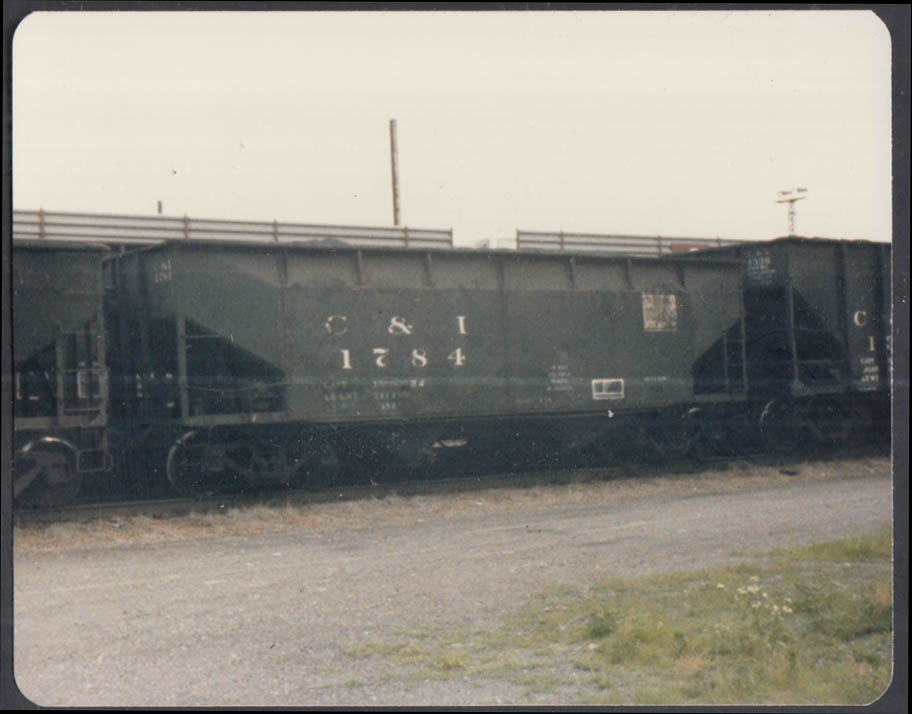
676, 124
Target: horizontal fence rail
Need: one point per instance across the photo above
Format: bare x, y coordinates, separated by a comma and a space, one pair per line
149, 230
103, 228
638, 246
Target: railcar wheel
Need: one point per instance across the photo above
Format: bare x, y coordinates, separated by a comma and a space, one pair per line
190, 467
408, 453
319, 469
781, 428
832, 425
682, 434
252, 462
54, 480
671, 436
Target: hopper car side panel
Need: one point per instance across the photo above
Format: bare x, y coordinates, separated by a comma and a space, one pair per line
329, 336
395, 335
866, 316
389, 353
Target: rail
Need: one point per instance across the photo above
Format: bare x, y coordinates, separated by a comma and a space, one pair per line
145, 230
633, 245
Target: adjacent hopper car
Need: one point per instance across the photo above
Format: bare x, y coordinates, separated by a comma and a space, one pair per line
60, 373
245, 355
818, 317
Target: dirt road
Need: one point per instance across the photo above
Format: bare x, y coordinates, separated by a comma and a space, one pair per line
264, 609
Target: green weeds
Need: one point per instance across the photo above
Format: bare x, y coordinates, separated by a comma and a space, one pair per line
811, 625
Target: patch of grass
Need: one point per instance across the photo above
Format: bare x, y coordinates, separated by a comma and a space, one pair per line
808, 625
851, 550
451, 661
846, 615
398, 652
601, 624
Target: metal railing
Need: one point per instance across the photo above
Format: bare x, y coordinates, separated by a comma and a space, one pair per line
640, 246
145, 230
113, 229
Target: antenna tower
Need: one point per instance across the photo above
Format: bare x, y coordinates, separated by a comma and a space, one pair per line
789, 196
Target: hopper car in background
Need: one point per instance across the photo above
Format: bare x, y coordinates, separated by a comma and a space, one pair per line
818, 320
60, 375
237, 355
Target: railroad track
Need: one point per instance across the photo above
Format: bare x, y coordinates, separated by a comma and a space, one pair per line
175, 507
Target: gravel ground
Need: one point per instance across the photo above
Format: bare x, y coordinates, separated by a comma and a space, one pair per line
265, 606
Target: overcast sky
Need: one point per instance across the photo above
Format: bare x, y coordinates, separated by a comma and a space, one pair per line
676, 124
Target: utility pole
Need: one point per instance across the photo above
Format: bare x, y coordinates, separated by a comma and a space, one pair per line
789, 196
394, 160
